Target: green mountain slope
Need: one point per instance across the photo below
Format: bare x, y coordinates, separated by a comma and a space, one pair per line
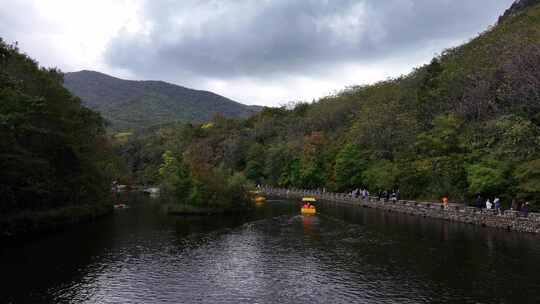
468, 123
138, 104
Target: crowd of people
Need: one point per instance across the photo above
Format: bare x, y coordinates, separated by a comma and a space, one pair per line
385, 195
522, 207
364, 193
489, 204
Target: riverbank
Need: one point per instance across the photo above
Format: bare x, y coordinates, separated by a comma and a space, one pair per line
28, 224
508, 219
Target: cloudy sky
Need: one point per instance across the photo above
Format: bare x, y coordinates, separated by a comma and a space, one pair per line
254, 51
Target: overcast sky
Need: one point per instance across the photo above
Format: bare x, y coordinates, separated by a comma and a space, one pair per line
254, 51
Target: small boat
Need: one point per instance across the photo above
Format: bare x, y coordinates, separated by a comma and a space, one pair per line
121, 206
257, 196
151, 191
308, 206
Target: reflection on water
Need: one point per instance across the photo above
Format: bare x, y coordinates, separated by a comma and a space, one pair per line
341, 255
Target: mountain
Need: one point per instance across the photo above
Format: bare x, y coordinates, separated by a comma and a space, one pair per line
128, 104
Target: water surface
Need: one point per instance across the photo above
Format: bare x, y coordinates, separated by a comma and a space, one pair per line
342, 255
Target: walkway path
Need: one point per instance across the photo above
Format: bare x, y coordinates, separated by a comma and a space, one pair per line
509, 220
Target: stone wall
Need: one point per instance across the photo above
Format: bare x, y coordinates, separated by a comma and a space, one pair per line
509, 220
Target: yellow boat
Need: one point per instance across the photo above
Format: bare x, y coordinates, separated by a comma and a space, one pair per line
257, 196
308, 210
311, 209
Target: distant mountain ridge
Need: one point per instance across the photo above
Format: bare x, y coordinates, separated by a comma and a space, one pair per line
128, 104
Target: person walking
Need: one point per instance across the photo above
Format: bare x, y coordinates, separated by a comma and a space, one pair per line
498, 207
525, 209
445, 202
479, 202
488, 204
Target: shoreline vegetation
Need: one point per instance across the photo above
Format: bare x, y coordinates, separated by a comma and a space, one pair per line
190, 186
56, 160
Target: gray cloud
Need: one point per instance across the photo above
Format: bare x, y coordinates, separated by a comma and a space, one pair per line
267, 38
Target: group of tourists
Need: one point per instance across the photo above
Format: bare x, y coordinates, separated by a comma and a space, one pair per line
382, 195
364, 193
308, 205
385, 195
496, 204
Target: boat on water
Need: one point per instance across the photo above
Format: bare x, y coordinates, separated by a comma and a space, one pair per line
257, 197
308, 206
121, 206
153, 192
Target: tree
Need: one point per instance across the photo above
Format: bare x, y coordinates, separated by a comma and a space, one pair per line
255, 163
312, 162
528, 180
381, 175
487, 178
438, 162
443, 139
277, 158
176, 177
349, 167
53, 151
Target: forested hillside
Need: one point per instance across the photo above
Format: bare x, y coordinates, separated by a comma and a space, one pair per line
53, 154
468, 123
134, 105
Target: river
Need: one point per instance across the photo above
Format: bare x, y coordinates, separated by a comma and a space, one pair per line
342, 255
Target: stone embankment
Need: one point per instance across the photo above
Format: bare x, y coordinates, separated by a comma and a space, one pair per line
508, 219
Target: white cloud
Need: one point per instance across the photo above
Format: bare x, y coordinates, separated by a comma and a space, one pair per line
70, 34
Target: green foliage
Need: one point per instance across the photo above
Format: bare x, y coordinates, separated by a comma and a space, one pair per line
277, 159
198, 185
53, 151
487, 178
443, 139
381, 175
255, 163
313, 173
515, 137
349, 167
443, 175
528, 180
175, 176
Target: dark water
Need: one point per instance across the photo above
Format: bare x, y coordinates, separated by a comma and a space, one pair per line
343, 255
